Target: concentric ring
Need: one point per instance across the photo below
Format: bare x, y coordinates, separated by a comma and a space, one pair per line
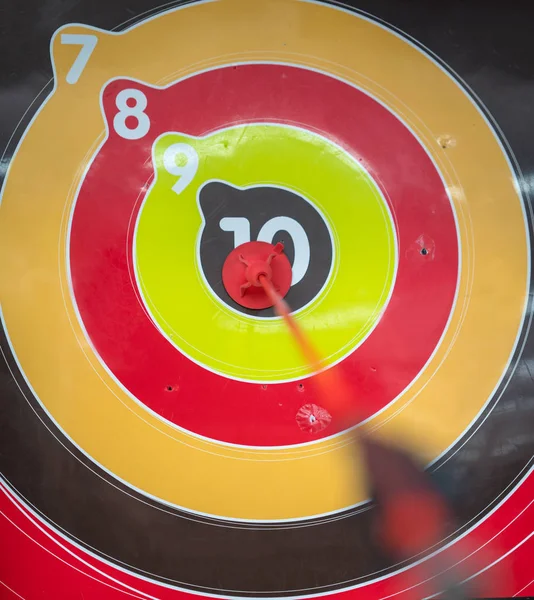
453, 387
105, 289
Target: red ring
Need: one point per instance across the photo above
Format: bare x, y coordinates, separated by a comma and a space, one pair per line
101, 250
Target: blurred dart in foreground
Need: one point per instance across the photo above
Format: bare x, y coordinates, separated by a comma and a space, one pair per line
412, 515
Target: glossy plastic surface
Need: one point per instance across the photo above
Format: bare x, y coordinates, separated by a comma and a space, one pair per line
155, 436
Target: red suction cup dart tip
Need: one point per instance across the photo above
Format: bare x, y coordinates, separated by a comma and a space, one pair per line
247, 264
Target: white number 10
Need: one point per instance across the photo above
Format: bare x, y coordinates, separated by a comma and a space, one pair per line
240, 227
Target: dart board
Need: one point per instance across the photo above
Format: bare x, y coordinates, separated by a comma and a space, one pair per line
161, 438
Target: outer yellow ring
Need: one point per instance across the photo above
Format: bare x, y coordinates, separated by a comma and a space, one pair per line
87, 402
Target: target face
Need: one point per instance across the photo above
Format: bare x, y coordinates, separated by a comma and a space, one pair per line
185, 416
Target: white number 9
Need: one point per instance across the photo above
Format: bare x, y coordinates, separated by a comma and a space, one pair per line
185, 171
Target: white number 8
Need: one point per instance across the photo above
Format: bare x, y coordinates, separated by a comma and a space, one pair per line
136, 111
187, 171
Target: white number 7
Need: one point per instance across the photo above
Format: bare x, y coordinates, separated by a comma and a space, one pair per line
88, 43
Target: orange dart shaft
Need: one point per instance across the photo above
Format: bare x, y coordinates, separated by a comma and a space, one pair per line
335, 395
400, 522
